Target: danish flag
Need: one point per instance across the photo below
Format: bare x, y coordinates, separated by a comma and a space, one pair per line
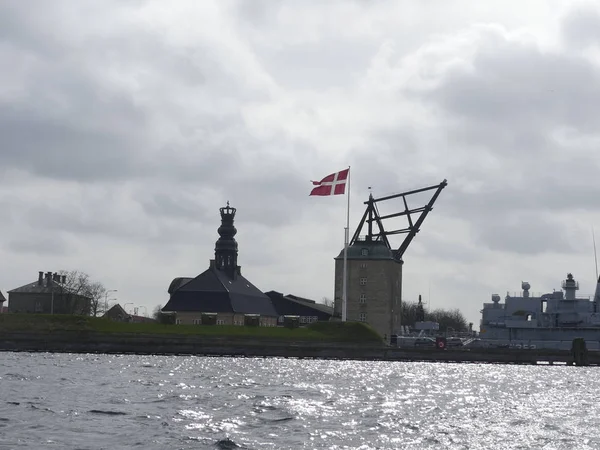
334, 184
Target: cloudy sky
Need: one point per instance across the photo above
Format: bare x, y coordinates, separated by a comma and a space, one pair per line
125, 125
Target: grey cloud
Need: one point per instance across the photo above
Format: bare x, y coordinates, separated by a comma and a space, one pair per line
257, 12
328, 64
175, 205
582, 25
524, 233
40, 243
561, 191
430, 244
55, 149
515, 92
516, 83
80, 219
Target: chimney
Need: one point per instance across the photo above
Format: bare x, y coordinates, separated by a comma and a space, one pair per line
64, 279
55, 277
40, 278
48, 278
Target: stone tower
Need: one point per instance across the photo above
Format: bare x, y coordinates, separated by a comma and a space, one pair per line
374, 291
374, 268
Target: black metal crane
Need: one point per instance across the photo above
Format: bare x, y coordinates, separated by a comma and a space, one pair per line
372, 216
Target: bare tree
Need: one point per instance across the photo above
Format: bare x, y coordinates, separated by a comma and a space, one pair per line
448, 319
327, 302
79, 294
156, 312
96, 293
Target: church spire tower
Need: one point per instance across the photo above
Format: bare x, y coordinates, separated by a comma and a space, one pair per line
226, 248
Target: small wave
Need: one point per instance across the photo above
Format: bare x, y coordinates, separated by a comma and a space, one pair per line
17, 376
41, 408
263, 408
13, 403
281, 419
108, 413
227, 444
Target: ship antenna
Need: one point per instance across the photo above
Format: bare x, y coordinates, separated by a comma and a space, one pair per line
595, 255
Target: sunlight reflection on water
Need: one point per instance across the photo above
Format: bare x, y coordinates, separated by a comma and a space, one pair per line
108, 401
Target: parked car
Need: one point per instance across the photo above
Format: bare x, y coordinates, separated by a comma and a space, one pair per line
454, 342
424, 342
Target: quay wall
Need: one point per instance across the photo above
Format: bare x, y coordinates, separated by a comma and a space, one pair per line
163, 344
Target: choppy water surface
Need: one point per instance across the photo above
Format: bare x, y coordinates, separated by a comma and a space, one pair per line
67, 401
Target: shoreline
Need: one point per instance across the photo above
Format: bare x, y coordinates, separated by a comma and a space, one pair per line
173, 344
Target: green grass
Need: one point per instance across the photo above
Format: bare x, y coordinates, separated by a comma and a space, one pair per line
320, 331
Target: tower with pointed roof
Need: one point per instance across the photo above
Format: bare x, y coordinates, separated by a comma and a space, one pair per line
220, 292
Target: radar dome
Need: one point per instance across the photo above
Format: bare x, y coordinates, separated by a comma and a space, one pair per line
525, 285
495, 298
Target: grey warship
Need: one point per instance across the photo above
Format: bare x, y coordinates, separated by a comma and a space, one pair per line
551, 320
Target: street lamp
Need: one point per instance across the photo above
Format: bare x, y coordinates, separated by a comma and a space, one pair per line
125, 307
106, 299
145, 309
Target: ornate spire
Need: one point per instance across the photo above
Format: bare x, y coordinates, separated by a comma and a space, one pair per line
226, 248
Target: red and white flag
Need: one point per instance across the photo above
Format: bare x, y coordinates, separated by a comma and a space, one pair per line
334, 184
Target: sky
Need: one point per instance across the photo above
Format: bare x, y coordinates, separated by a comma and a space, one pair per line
126, 125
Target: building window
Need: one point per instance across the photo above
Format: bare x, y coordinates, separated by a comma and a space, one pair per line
177, 321
362, 317
363, 265
197, 321
362, 298
364, 251
220, 322
38, 307
363, 281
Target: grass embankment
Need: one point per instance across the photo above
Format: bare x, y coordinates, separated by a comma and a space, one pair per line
320, 331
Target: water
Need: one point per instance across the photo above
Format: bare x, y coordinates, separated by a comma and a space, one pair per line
66, 401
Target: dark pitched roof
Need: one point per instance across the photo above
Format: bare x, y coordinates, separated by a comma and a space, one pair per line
313, 304
115, 311
214, 291
2, 297
36, 288
287, 305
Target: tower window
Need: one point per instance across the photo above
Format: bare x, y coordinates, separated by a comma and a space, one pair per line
363, 298
364, 251
362, 317
363, 281
363, 265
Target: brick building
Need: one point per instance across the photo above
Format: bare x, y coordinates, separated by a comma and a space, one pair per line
48, 295
374, 285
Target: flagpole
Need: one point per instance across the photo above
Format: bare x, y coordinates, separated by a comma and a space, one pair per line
345, 272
